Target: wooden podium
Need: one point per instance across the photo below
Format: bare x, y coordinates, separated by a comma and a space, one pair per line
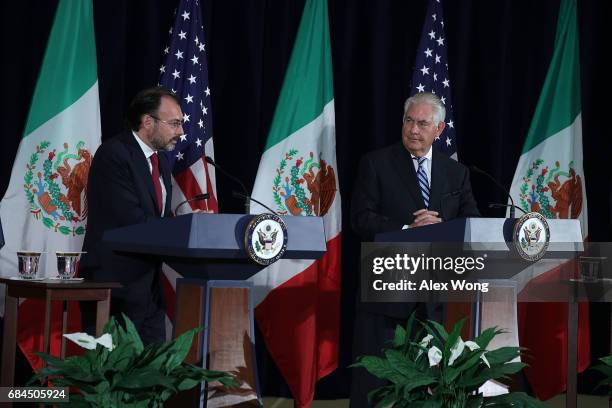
208, 251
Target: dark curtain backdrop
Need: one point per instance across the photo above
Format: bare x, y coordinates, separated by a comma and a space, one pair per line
499, 52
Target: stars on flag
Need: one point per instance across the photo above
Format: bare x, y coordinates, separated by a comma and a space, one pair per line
184, 70
431, 72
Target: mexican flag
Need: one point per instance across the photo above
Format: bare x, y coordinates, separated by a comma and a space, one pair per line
549, 179
44, 208
298, 301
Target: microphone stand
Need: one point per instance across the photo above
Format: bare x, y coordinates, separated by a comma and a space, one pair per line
501, 187
204, 196
248, 199
511, 206
247, 204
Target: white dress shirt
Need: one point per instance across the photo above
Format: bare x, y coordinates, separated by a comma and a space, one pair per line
427, 164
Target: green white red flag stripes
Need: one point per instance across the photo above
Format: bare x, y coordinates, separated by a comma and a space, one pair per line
549, 179
45, 207
298, 300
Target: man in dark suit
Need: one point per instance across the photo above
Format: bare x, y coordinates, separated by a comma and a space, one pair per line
130, 183
405, 185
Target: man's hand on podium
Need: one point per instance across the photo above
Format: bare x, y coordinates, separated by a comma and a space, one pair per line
425, 217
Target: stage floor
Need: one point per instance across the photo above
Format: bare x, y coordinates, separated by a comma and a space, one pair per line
584, 401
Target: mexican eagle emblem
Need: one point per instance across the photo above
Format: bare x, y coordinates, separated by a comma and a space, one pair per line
552, 191
57, 190
304, 186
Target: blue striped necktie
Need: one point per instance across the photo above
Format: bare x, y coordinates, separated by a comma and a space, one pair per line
423, 181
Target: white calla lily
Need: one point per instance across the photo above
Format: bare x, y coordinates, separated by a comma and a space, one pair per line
106, 340
434, 355
456, 350
89, 342
424, 343
483, 358
82, 339
426, 340
472, 345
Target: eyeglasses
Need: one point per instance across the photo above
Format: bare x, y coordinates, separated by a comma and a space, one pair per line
422, 124
174, 124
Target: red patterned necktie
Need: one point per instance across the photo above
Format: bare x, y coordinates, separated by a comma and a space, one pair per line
156, 183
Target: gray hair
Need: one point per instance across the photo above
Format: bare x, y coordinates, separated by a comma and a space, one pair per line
439, 111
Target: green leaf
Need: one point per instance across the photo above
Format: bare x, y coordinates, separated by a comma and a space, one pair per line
493, 373
400, 338
606, 360
432, 404
410, 326
144, 378
399, 362
486, 336
122, 357
132, 334
180, 348
474, 402
382, 396
155, 356
605, 370
201, 374
379, 367
453, 336
471, 362
417, 382
47, 222
436, 328
503, 355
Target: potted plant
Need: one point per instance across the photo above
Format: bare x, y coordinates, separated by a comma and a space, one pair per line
606, 369
118, 370
437, 369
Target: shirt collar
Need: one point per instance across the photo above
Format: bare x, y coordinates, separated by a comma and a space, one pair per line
148, 152
427, 156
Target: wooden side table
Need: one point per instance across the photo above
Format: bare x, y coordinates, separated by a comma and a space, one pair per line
49, 290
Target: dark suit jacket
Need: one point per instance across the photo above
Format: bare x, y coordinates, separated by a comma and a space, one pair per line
120, 192
387, 192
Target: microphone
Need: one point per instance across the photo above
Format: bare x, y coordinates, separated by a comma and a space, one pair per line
498, 184
249, 198
210, 161
197, 197
500, 205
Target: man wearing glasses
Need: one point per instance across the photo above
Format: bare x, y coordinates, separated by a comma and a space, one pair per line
130, 183
405, 185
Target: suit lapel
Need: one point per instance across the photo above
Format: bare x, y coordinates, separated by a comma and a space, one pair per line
164, 169
404, 168
438, 181
141, 166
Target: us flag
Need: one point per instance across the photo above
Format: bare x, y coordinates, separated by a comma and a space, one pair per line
185, 72
431, 73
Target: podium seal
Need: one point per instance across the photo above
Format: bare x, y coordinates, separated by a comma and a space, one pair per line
531, 236
265, 238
